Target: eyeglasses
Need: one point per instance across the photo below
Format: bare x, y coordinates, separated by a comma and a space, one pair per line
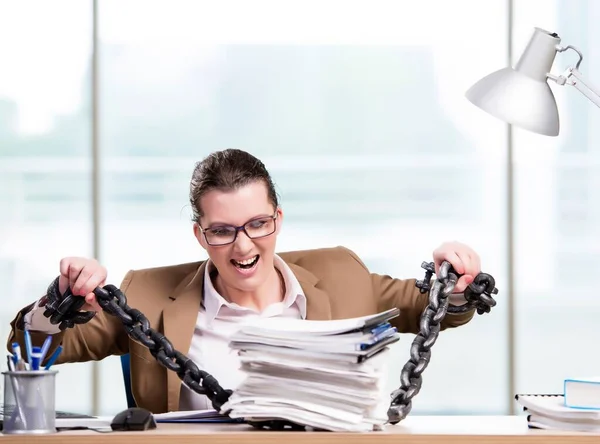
227, 234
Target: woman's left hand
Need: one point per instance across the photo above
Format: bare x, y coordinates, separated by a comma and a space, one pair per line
462, 258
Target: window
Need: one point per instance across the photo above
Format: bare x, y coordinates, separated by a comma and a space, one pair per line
368, 136
358, 110
558, 216
45, 163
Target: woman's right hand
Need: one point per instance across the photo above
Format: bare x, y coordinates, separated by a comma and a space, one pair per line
82, 275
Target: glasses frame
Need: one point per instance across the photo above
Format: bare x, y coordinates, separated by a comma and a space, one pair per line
241, 228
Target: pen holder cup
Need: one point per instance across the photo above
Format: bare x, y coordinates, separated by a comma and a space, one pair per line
29, 402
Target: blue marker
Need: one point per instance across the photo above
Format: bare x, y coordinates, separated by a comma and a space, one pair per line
54, 357
36, 358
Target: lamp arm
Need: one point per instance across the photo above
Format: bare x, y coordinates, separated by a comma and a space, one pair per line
572, 76
575, 78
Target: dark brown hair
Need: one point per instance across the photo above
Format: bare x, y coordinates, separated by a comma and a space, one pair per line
227, 170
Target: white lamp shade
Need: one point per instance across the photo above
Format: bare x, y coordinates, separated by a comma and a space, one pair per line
521, 95
517, 99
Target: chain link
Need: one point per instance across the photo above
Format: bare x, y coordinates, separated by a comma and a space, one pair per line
478, 296
64, 310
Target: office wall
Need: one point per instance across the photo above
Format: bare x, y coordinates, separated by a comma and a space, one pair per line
357, 109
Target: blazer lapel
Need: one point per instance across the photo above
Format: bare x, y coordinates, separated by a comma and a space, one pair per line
318, 306
179, 320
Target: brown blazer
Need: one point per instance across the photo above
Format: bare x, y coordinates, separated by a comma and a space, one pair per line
336, 283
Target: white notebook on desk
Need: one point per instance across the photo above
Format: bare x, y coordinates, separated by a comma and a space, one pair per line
553, 406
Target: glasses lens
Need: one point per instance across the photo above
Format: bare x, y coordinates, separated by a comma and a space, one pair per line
220, 235
260, 227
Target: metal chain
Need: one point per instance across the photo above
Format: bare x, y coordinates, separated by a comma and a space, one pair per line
478, 296
63, 310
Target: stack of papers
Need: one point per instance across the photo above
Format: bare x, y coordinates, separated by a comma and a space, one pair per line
327, 375
550, 412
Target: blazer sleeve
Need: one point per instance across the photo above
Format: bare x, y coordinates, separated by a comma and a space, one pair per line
403, 294
102, 336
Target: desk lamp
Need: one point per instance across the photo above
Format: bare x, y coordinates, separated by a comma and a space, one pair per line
522, 95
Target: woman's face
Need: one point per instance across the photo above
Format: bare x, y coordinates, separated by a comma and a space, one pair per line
244, 264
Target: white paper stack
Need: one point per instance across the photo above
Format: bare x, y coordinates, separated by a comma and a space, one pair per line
326, 375
550, 412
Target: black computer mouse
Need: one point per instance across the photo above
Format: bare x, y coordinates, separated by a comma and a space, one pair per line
135, 418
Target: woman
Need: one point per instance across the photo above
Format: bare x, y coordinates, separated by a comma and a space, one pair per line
199, 305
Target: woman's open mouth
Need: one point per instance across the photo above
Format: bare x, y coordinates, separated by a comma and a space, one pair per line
246, 264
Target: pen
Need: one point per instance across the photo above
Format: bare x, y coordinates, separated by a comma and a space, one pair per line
53, 357
28, 346
17, 395
36, 356
17, 359
45, 348
10, 361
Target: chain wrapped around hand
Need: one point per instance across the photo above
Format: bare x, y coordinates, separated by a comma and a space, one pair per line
64, 310
478, 296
